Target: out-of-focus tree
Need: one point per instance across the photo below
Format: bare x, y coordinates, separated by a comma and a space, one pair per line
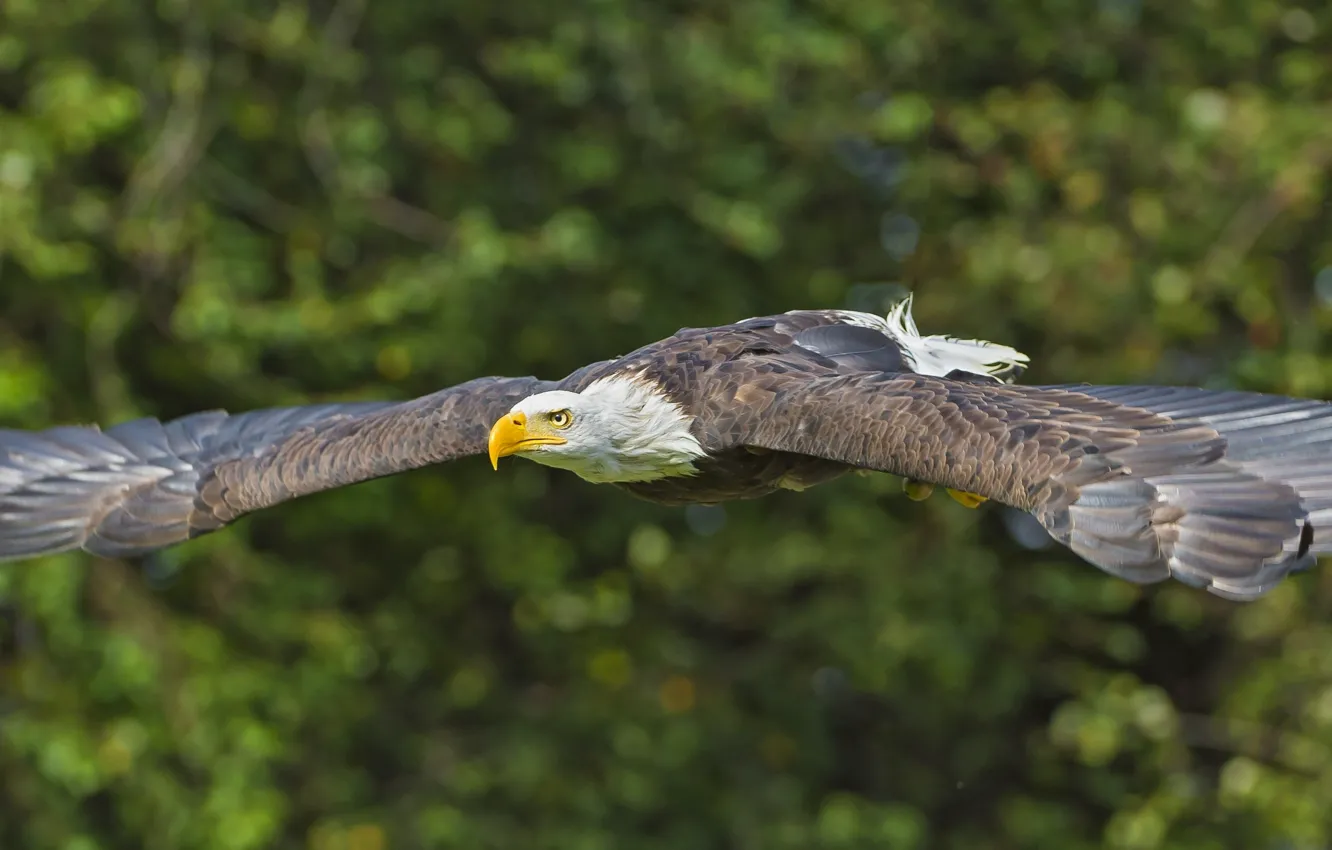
208, 204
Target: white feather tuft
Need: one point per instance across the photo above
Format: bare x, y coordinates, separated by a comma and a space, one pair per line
939, 355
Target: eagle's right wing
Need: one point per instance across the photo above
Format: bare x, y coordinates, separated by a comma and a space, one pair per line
145, 484
1225, 490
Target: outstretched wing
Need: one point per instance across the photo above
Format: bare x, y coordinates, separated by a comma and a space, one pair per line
144, 484
1225, 490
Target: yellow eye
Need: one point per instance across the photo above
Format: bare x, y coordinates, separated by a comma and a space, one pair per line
561, 419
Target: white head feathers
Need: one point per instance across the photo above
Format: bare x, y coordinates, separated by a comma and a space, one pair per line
623, 429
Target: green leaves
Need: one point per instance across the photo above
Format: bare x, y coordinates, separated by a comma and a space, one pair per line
234, 205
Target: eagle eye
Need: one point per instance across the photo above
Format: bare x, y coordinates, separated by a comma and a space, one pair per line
560, 419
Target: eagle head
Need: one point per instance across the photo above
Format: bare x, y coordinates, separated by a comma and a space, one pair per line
621, 428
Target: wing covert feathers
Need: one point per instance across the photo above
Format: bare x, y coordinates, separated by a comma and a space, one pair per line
145, 484
1223, 490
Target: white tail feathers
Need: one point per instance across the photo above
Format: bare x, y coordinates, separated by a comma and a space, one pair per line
939, 355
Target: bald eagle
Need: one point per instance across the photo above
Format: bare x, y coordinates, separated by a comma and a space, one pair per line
1229, 491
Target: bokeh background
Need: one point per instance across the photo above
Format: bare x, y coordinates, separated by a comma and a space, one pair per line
240, 204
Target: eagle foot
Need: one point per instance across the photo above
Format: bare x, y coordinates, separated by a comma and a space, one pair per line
969, 500
917, 491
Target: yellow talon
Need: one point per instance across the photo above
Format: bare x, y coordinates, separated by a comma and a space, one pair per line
917, 491
969, 500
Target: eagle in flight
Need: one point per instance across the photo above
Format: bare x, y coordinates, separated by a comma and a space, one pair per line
1224, 490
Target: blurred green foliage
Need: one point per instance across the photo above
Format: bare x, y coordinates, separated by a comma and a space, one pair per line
241, 204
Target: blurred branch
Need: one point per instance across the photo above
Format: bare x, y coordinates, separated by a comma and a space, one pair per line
183, 137
317, 140
342, 24
1254, 217
1257, 741
105, 327
238, 193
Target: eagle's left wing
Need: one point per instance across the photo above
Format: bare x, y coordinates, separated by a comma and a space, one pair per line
1225, 490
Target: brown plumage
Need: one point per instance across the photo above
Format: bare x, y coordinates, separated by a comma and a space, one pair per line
1225, 490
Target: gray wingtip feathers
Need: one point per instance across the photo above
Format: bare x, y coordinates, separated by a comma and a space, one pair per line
67, 487
1236, 524
1234, 536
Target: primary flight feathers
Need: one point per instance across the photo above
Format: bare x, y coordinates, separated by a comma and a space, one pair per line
1224, 490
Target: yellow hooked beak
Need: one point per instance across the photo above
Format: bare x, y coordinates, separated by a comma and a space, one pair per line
510, 435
